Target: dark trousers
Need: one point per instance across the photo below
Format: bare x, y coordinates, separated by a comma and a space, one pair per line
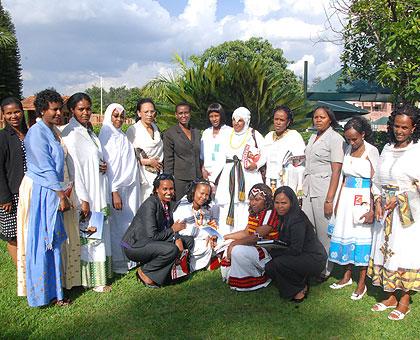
290, 273
181, 188
157, 257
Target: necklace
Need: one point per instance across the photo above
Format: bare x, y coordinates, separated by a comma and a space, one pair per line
242, 142
198, 217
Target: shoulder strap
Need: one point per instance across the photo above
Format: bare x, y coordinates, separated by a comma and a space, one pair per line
253, 136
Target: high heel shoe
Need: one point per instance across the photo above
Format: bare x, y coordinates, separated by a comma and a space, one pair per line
144, 283
305, 295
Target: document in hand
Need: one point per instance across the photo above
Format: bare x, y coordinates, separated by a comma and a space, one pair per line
96, 220
222, 244
272, 244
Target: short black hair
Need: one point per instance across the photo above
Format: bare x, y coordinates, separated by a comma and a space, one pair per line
44, 98
193, 186
13, 100
162, 177
410, 111
216, 107
286, 109
182, 104
361, 125
330, 114
77, 97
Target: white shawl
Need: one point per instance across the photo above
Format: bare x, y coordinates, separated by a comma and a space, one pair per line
118, 152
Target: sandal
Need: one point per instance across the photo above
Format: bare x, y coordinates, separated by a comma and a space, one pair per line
398, 316
102, 289
380, 307
61, 303
354, 296
336, 285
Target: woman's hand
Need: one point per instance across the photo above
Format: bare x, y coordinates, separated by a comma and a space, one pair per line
251, 166
205, 173
64, 204
368, 217
154, 162
116, 201
85, 209
102, 166
179, 244
229, 250
178, 226
212, 240
378, 210
328, 209
391, 204
7, 207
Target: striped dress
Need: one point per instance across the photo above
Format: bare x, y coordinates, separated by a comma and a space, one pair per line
245, 270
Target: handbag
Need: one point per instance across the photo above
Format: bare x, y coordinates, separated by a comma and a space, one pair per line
141, 154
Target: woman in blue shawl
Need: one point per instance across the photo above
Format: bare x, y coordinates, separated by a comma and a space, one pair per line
45, 228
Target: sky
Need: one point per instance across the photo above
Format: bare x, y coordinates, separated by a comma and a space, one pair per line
71, 44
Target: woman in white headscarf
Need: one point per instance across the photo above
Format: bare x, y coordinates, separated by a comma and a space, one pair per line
244, 157
123, 179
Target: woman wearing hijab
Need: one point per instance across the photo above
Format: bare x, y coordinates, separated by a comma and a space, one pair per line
244, 156
88, 169
243, 262
145, 137
124, 181
305, 256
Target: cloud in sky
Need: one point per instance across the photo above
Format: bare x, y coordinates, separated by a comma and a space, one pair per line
68, 44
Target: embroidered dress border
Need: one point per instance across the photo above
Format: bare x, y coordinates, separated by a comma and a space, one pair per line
403, 279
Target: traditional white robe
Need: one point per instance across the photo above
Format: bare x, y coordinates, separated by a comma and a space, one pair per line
124, 178
211, 152
290, 144
153, 147
235, 145
90, 185
202, 251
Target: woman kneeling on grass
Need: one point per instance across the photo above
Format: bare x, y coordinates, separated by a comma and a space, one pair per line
305, 255
243, 262
152, 238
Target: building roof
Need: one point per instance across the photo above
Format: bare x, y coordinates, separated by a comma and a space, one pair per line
342, 106
381, 121
28, 102
358, 90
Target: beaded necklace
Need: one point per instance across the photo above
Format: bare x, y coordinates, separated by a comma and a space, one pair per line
242, 142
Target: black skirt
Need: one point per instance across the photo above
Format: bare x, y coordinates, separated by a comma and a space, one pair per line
8, 221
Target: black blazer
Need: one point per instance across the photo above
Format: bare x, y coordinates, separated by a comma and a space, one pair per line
149, 224
181, 156
300, 235
11, 164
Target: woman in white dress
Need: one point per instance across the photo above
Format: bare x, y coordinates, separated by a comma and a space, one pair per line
244, 155
280, 145
351, 240
212, 141
124, 181
87, 170
194, 210
395, 261
148, 145
243, 262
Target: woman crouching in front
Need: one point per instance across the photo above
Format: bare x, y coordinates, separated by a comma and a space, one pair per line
152, 238
305, 256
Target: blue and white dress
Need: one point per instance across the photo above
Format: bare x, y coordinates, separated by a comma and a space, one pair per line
351, 240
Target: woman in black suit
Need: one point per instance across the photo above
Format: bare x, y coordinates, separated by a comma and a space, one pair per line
12, 169
152, 238
305, 256
181, 151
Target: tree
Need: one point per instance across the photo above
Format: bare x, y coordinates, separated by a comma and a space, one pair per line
232, 83
381, 43
10, 69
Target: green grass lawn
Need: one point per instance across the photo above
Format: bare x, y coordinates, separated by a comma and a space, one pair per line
201, 307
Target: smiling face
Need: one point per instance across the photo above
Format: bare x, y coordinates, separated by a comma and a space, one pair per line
166, 190
256, 203
238, 124
281, 122
117, 118
201, 195
215, 119
82, 112
321, 120
354, 138
147, 113
183, 114
403, 128
52, 115
13, 115
282, 204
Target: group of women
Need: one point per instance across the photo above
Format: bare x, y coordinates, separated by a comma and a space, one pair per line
76, 207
